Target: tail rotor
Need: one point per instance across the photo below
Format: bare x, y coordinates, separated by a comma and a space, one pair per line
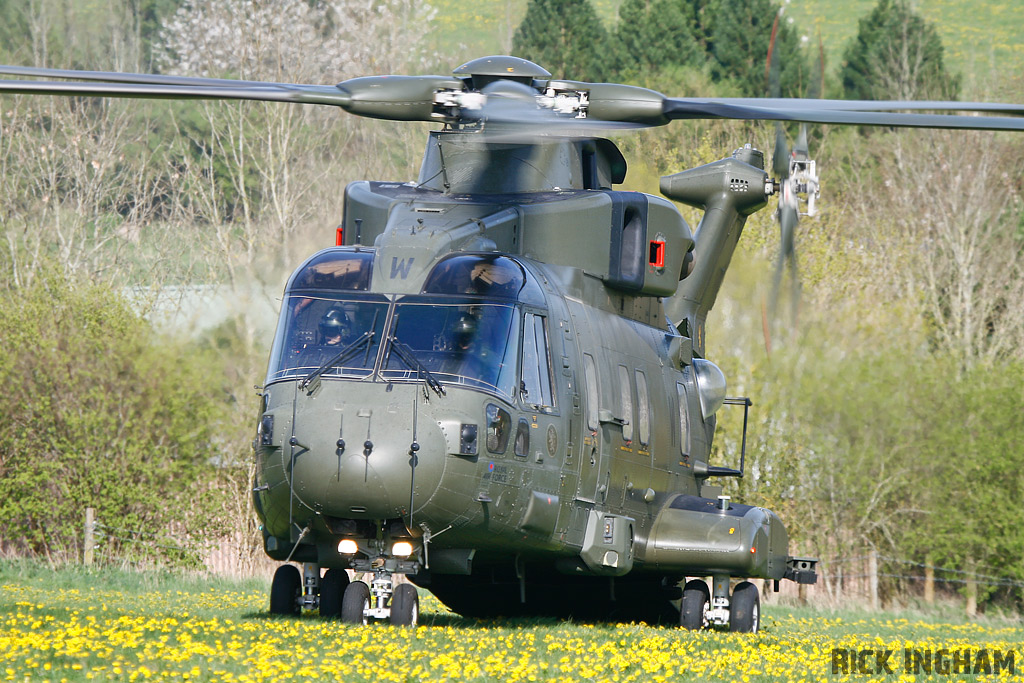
798, 188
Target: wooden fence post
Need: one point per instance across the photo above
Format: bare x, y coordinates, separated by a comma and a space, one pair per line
972, 594
929, 580
90, 539
873, 578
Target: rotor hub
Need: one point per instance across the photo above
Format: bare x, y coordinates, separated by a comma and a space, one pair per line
478, 73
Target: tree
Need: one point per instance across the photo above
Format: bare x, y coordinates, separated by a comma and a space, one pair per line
116, 34
654, 34
82, 179
740, 34
974, 521
950, 232
258, 173
896, 55
106, 415
565, 37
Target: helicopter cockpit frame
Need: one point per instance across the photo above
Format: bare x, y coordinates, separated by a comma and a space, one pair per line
477, 323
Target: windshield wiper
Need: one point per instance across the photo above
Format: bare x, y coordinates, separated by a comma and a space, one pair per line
341, 356
408, 356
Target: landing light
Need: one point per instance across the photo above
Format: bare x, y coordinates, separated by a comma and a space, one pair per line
401, 549
348, 547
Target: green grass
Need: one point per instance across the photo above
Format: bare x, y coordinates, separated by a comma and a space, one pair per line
982, 40
468, 30
77, 625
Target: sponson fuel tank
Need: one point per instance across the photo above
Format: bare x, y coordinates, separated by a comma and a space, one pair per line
693, 535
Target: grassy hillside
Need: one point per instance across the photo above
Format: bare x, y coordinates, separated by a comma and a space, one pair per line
980, 39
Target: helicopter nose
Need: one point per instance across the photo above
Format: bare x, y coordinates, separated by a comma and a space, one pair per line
375, 475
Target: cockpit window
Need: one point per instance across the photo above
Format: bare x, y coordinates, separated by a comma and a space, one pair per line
462, 341
335, 269
464, 329
316, 329
494, 277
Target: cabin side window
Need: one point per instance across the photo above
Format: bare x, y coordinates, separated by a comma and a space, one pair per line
626, 400
499, 426
643, 408
684, 419
590, 374
522, 443
535, 385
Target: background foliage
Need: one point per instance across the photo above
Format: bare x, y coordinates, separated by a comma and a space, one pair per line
105, 415
566, 37
896, 55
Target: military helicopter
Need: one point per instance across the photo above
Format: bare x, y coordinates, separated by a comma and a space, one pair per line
495, 383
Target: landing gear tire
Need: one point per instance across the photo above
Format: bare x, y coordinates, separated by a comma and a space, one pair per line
332, 589
745, 609
355, 603
693, 610
285, 590
405, 606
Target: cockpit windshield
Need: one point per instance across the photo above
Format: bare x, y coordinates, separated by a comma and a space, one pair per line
460, 341
464, 328
315, 329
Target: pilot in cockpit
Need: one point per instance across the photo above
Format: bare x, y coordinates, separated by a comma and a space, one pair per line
334, 327
332, 334
471, 348
491, 279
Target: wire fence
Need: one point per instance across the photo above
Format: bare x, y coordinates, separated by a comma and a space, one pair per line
965, 576
233, 555
844, 579
871, 579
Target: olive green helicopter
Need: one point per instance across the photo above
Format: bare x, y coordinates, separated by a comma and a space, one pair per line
495, 384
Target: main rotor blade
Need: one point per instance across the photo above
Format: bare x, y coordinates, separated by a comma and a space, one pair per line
724, 109
302, 94
413, 98
398, 98
799, 104
121, 77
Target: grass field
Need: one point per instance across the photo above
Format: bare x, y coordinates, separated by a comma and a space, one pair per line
982, 40
73, 625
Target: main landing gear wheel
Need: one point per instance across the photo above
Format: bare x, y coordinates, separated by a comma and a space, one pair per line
405, 606
285, 590
693, 610
745, 609
332, 588
355, 603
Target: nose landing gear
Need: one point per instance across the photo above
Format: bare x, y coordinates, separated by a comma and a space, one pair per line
700, 610
354, 602
381, 600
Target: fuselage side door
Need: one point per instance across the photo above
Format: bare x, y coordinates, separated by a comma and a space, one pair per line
592, 455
